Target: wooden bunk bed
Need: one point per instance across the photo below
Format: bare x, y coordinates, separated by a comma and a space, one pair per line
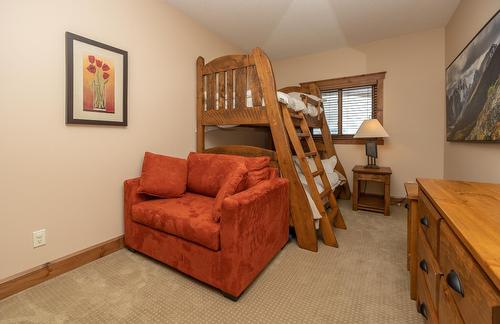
222, 88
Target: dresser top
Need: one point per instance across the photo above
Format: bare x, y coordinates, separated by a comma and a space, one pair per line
411, 190
472, 210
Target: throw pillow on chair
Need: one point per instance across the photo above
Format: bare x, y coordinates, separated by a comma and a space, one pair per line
163, 176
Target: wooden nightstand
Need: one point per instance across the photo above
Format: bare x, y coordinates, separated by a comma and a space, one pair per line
372, 202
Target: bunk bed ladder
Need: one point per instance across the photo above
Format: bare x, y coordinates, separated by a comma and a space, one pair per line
333, 216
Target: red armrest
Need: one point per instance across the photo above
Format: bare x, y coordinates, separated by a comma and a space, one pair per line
131, 197
253, 229
257, 216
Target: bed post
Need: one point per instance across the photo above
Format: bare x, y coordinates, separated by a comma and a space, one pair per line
200, 128
300, 210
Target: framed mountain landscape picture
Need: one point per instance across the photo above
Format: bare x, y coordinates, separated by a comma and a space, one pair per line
473, 88
96, 82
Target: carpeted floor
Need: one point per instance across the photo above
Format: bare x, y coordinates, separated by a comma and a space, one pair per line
363, 281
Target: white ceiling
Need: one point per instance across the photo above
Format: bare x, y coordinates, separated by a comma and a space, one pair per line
285, 28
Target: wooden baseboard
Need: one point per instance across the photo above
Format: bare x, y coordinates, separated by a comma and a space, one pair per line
398, 200
34, 276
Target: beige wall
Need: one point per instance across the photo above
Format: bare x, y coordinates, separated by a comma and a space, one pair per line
467, 161
68, 179
413, 99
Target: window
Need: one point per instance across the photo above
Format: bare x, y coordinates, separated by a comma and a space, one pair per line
348, 102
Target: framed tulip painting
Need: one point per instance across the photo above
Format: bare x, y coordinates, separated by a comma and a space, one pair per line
96, 82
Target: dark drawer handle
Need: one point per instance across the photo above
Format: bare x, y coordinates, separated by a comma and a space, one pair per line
454, 282
422, 309
423, 266
424, 221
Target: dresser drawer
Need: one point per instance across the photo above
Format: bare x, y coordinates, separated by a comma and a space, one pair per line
425, 306
470, 289
448, 311
429, 220
428, 267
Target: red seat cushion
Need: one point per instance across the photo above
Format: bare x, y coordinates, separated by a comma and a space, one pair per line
188, 217
163, 176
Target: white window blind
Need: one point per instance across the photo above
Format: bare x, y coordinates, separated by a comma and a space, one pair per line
355, 105
331, 106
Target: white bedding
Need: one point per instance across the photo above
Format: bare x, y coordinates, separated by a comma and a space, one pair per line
292, 100
333, 176
296, 103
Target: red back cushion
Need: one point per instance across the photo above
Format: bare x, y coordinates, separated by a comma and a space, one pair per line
273, 173
163, 176
256, 163
257, 176
207, 172
232, 184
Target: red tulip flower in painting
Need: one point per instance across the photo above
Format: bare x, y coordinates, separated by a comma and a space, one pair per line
91, 68
98, 77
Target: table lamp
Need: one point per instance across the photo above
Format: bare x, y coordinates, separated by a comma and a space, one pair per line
371, 129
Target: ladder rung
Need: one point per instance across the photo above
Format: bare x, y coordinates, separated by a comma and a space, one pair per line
296, 116
317, 173
325, 193
303, 135
312, 153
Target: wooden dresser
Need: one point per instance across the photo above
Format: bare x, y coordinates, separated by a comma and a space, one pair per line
458, 252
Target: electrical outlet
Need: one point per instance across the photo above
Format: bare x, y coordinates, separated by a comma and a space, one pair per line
39, 238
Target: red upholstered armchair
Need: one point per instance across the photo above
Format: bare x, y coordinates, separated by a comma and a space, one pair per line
227, 226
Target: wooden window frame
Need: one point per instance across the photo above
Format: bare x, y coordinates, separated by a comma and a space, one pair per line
373, 79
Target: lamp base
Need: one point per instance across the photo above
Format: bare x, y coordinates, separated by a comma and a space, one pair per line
371, 162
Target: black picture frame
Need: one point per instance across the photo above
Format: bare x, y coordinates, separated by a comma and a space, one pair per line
70, 119
450, 136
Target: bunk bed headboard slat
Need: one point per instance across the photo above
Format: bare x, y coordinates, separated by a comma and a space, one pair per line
221, 80
211, 91
241, 87
254, 86
230, 88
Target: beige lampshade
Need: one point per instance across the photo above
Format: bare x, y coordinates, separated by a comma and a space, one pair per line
371, 128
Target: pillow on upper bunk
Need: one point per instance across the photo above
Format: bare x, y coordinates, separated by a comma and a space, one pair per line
313, 97
163, 176
297, 104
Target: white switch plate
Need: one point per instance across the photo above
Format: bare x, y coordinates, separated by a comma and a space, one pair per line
39, 238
